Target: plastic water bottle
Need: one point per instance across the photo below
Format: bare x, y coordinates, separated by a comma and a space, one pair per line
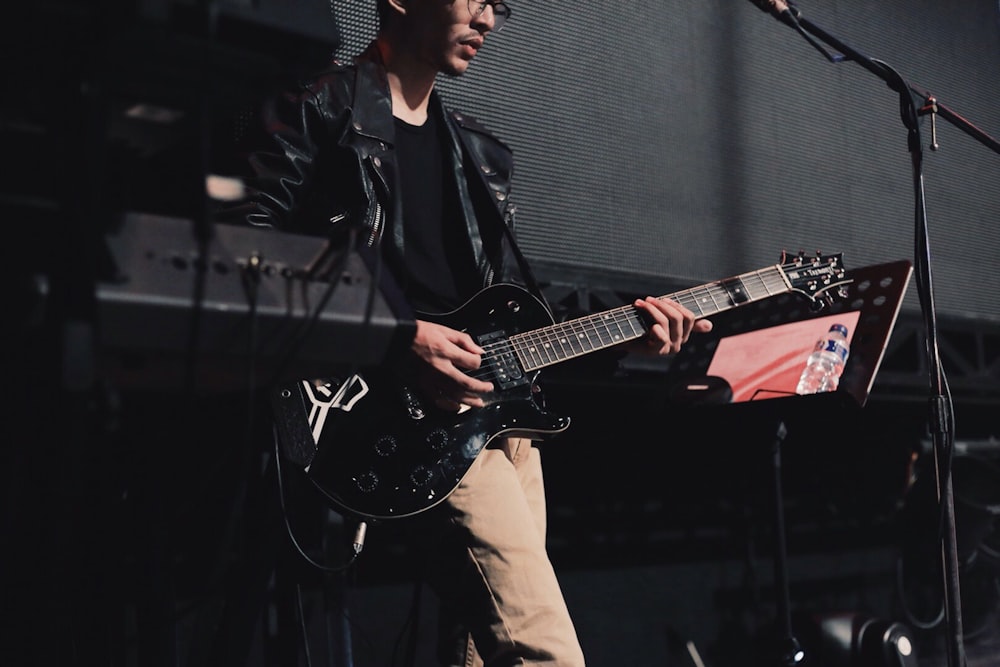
825, 363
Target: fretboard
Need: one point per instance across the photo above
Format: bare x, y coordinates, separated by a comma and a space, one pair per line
567, 340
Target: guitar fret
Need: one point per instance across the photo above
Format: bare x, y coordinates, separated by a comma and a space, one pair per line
612, 331
566, 343
553, 344
719, 299
581, 336
540, 347
528, 361
706, 300
636, 326
526, 352
759, 281
736, 290
771, 281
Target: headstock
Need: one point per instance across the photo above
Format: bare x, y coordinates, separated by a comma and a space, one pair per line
821, 278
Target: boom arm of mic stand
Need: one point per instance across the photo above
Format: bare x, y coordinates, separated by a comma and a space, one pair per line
889, 77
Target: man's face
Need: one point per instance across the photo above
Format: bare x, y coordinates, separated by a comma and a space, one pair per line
446, 33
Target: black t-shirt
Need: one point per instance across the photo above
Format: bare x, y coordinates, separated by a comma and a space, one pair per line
436, 254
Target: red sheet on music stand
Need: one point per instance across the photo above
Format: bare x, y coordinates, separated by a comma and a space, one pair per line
767, 363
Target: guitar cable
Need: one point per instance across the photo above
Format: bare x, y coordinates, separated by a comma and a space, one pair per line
357, 545
359, 534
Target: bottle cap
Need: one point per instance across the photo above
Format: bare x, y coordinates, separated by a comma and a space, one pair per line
839, 327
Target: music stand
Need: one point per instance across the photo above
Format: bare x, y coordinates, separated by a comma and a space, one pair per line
752, 358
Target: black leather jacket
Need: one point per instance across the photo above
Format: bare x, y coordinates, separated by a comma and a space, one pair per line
331, 167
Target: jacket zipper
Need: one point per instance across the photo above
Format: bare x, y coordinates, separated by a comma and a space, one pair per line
376, 231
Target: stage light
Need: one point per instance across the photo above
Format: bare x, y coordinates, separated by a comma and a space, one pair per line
976, 485
886, 643
853, 639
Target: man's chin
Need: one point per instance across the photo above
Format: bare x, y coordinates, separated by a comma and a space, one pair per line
455, 67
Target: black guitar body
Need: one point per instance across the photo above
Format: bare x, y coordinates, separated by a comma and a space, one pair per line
385, 452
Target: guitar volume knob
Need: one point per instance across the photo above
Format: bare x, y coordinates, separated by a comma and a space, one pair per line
437, 439
421, 476
367, 482
386, 445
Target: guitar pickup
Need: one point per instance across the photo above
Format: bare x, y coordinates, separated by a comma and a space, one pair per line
502, 360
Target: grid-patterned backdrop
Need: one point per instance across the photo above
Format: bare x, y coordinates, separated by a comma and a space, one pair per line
691, 141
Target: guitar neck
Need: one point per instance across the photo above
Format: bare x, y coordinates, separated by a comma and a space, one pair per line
574, 338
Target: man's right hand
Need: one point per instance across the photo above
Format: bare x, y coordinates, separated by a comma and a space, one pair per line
444, 358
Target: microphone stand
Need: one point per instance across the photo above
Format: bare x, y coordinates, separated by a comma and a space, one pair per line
789, 651
939, 404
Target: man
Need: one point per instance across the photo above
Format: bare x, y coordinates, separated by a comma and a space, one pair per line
370, 146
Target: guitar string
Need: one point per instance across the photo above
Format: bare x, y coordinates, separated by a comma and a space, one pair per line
548, 345
548, 352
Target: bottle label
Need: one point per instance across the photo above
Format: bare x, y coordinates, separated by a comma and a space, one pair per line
835, 346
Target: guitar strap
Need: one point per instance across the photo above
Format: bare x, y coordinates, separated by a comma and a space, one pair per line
530, 281
529, 276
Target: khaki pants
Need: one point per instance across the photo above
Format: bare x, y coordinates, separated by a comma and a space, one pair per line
488, 564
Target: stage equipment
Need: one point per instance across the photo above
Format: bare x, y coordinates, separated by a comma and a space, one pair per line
853, 639
758, 353
914, 103
284, 302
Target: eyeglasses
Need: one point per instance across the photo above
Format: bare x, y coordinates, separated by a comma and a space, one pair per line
501, 12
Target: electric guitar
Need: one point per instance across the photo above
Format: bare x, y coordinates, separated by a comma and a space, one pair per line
382, 451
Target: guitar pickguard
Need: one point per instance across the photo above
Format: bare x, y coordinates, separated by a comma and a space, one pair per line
323, 399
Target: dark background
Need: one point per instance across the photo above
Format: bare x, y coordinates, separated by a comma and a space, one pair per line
659, 146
